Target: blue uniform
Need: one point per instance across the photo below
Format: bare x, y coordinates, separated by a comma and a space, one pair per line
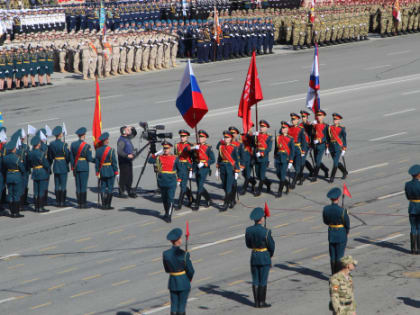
301, 147
80, 157
23, 154
106, 167
338, 223
246, 160
40, 172
283, 155
320, 143
264, 144
412, 192
178, 264
14, 168
337, 144
205, 156
59, 155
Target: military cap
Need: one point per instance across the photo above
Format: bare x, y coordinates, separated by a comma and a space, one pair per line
256, 214
334, 193
414, 170
35, 141
264, 123
285, 124
174, 235
104, 136
81, 131
233, 129
203, 133
167, 144
347, 260
320, 111
183, 132
227, 133
57, 131
17, 135
337, 115
2, 128
294, 115
11, 144
304, 113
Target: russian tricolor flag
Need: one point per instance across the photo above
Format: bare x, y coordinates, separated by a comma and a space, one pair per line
312, 99
190, 101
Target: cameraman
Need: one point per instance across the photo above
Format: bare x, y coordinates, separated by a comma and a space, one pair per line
126, 154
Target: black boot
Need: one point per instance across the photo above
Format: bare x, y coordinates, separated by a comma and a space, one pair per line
334, 170
267, 182
343, 170
79, 200
196, 206
315, 174
121, 193
295, 178
300, 178
262, 295
12, 209
332, 263
206, 198
244, 187
42, 201
259, 188
84, 200
287, 184
310, 168
225, 203
280, 191
132, 193
25, 197
104, 198
58, 198
232, 200
36, 204
190, 197
108, 202
63, 198
418, 244
325, 169
180, 200
255, 294
17, 213
170, 212
413, 243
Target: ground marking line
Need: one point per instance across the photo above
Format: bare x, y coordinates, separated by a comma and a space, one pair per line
369, 168
390, 136
55, 211
9, 256
165, 101
379, 241
220, 80
217, 242
41, 305
400, 112
161, 308
37, 121
283, 82
377, 67
82, 293
410, 92
8, 299
398, 53
391, 195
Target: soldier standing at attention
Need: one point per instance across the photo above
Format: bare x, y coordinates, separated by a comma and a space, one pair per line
283, 155
40, 172
341, 288
60, 154
412, 192
263, 146
106, 170
81, 156
259, 239
167, 165
338, 222
178, 264
182, 150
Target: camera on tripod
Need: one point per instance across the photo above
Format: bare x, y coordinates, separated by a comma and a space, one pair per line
151, 134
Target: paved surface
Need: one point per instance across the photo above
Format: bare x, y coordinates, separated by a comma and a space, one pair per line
72, 261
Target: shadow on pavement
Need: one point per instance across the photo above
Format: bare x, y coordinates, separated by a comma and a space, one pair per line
303, 271
388, 245
124, 313
410, 302
147, 212
231, 295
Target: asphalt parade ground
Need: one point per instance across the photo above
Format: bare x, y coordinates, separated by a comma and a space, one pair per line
73, 261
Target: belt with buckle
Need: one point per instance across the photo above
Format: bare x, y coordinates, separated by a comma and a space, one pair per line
259, 250
180, 273
336, 226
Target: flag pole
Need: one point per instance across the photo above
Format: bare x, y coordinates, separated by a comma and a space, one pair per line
342, 201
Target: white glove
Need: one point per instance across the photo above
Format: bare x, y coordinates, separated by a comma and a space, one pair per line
160, 152
118, 178
258, 154
190, 175
343, 152
216, 173
289, 166
195, 147
314, 122
236, 176
316, 141
178, 184
327, 152
302, 154
255, 133
200, 165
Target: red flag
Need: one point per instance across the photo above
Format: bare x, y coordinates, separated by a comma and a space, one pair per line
97, 118
217, 29
266, 210
346, 191
187, 230
251, 94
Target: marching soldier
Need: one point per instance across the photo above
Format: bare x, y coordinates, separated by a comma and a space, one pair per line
412, 192
259, 239
59, 153
81, 156
320, 143
308, 137
167, 165
40, 172
283, 155
341, 288
203, 158
23, 152
235, 133
14, 169
263, 146
301, 147
337, 144
106, 170
246, 160
228, 165
338, 222
183, 151
178, 264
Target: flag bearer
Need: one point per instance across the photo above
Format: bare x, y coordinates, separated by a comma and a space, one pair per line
263, 146
183, 151
320, 142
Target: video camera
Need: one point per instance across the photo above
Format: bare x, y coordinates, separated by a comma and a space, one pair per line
150, 134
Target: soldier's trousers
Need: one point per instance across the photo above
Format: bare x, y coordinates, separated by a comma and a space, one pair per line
227, 177
81, 179
145, 59
168, 194
260, 275
137, 59
14, 190
335, 153
183, 173
179, 301
261, 169
281, 170
337, 251
107, 184
115, 59
201, 175
174, 52
415, 224
297, 160
319, 151
126, 176
40, 186
246, 173
60, 181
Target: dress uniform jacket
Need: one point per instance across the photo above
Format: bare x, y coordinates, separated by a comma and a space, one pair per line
412, 192
259, 239
60, 154
338, 223
178, 264
106, 166
80, 159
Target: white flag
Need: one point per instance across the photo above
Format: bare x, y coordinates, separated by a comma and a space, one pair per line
48, 130
23, 134
18, 144
3, 136
64, 129
31, 130
42, 136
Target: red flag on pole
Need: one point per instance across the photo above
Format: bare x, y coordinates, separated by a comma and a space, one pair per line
346, 191
251, 94
266, 210
217, 29
97, 118
187, 230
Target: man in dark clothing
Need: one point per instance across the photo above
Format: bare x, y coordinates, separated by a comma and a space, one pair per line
126, 154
